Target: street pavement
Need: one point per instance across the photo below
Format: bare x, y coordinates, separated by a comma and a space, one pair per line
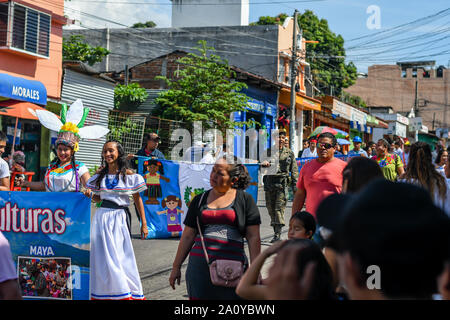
154, 257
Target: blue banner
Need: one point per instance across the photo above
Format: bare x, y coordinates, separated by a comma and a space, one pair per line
22, 89
171, 186
49, 235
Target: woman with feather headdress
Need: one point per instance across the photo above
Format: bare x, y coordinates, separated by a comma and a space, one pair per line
65, 174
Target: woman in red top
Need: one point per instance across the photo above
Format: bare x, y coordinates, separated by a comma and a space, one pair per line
226, 215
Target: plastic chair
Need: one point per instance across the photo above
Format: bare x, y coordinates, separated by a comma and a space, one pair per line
28, 175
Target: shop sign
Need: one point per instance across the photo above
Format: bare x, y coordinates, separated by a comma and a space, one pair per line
415, 124
372, 119
397, 129
309, 103
402, 119
256, 105
22, 89
358, 116
342, 109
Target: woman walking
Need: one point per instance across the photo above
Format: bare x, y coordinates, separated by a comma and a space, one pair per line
421, 171
114, 272
390, 164
441, 161
226, 214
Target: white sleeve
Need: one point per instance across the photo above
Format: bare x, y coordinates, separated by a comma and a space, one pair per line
82, 170
4, 169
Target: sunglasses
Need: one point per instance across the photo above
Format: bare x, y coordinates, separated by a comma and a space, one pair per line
325, 145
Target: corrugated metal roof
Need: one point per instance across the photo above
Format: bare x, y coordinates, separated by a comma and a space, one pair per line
98, 95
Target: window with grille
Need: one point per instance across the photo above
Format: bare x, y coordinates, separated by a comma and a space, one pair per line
3, 23
25, 29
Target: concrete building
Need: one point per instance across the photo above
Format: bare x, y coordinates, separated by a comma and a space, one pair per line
419, 85
206, 13
30, 72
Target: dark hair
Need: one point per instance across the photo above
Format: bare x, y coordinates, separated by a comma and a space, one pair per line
308, 220
322, 284
238, 173
328, 135
171, 198
386, 143
439, 155
155, 162
397, 227
3, 136
359, 171
421, 169
122, 163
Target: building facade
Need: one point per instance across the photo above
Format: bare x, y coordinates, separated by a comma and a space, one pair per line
197, 13
30, 70
408, 85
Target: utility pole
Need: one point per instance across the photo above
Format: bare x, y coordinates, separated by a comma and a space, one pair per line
293, 81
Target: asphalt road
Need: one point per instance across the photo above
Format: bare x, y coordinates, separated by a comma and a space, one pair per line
154, 257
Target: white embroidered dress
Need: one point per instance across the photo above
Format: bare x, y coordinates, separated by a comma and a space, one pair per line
114, 272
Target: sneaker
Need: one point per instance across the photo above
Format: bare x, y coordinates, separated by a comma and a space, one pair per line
275, 238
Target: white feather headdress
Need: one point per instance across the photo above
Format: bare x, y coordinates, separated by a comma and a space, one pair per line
71, 127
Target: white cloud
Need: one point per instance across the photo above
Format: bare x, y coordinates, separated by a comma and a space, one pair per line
91, 14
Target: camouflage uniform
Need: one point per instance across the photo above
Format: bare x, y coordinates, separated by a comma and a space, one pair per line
275, 189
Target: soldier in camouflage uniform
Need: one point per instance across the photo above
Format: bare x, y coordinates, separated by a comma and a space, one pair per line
275, 186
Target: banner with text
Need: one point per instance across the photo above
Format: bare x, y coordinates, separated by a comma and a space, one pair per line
171, 186
49, 235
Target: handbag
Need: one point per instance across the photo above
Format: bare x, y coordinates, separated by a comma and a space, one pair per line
224, 273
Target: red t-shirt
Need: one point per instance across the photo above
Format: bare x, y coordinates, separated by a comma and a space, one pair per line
320, 180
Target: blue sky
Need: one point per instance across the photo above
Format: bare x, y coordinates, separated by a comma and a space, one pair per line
426, 39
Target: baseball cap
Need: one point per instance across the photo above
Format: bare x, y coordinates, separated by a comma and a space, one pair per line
357, 139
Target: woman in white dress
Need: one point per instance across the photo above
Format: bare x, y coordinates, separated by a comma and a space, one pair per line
114, 272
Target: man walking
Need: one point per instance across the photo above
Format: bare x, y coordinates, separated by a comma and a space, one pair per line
357, 151
320, 177
310, 152
275, 186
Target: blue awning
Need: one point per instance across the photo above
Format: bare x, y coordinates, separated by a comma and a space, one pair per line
22, 89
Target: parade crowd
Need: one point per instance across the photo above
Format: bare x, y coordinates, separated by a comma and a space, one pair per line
374, 227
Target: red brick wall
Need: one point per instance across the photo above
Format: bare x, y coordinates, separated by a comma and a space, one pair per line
145, 73
385, 86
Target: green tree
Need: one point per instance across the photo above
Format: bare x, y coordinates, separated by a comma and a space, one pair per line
77, 49
329, 73
203, 90
148, 24
268, 20
129, 96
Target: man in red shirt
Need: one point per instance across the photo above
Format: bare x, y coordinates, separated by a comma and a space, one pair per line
320, 177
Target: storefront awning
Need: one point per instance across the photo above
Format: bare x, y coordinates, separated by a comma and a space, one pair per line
22, 89
301, 102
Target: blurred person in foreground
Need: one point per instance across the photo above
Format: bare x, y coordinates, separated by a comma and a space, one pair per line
397, 248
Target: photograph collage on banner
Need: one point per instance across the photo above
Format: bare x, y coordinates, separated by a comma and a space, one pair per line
50, 242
